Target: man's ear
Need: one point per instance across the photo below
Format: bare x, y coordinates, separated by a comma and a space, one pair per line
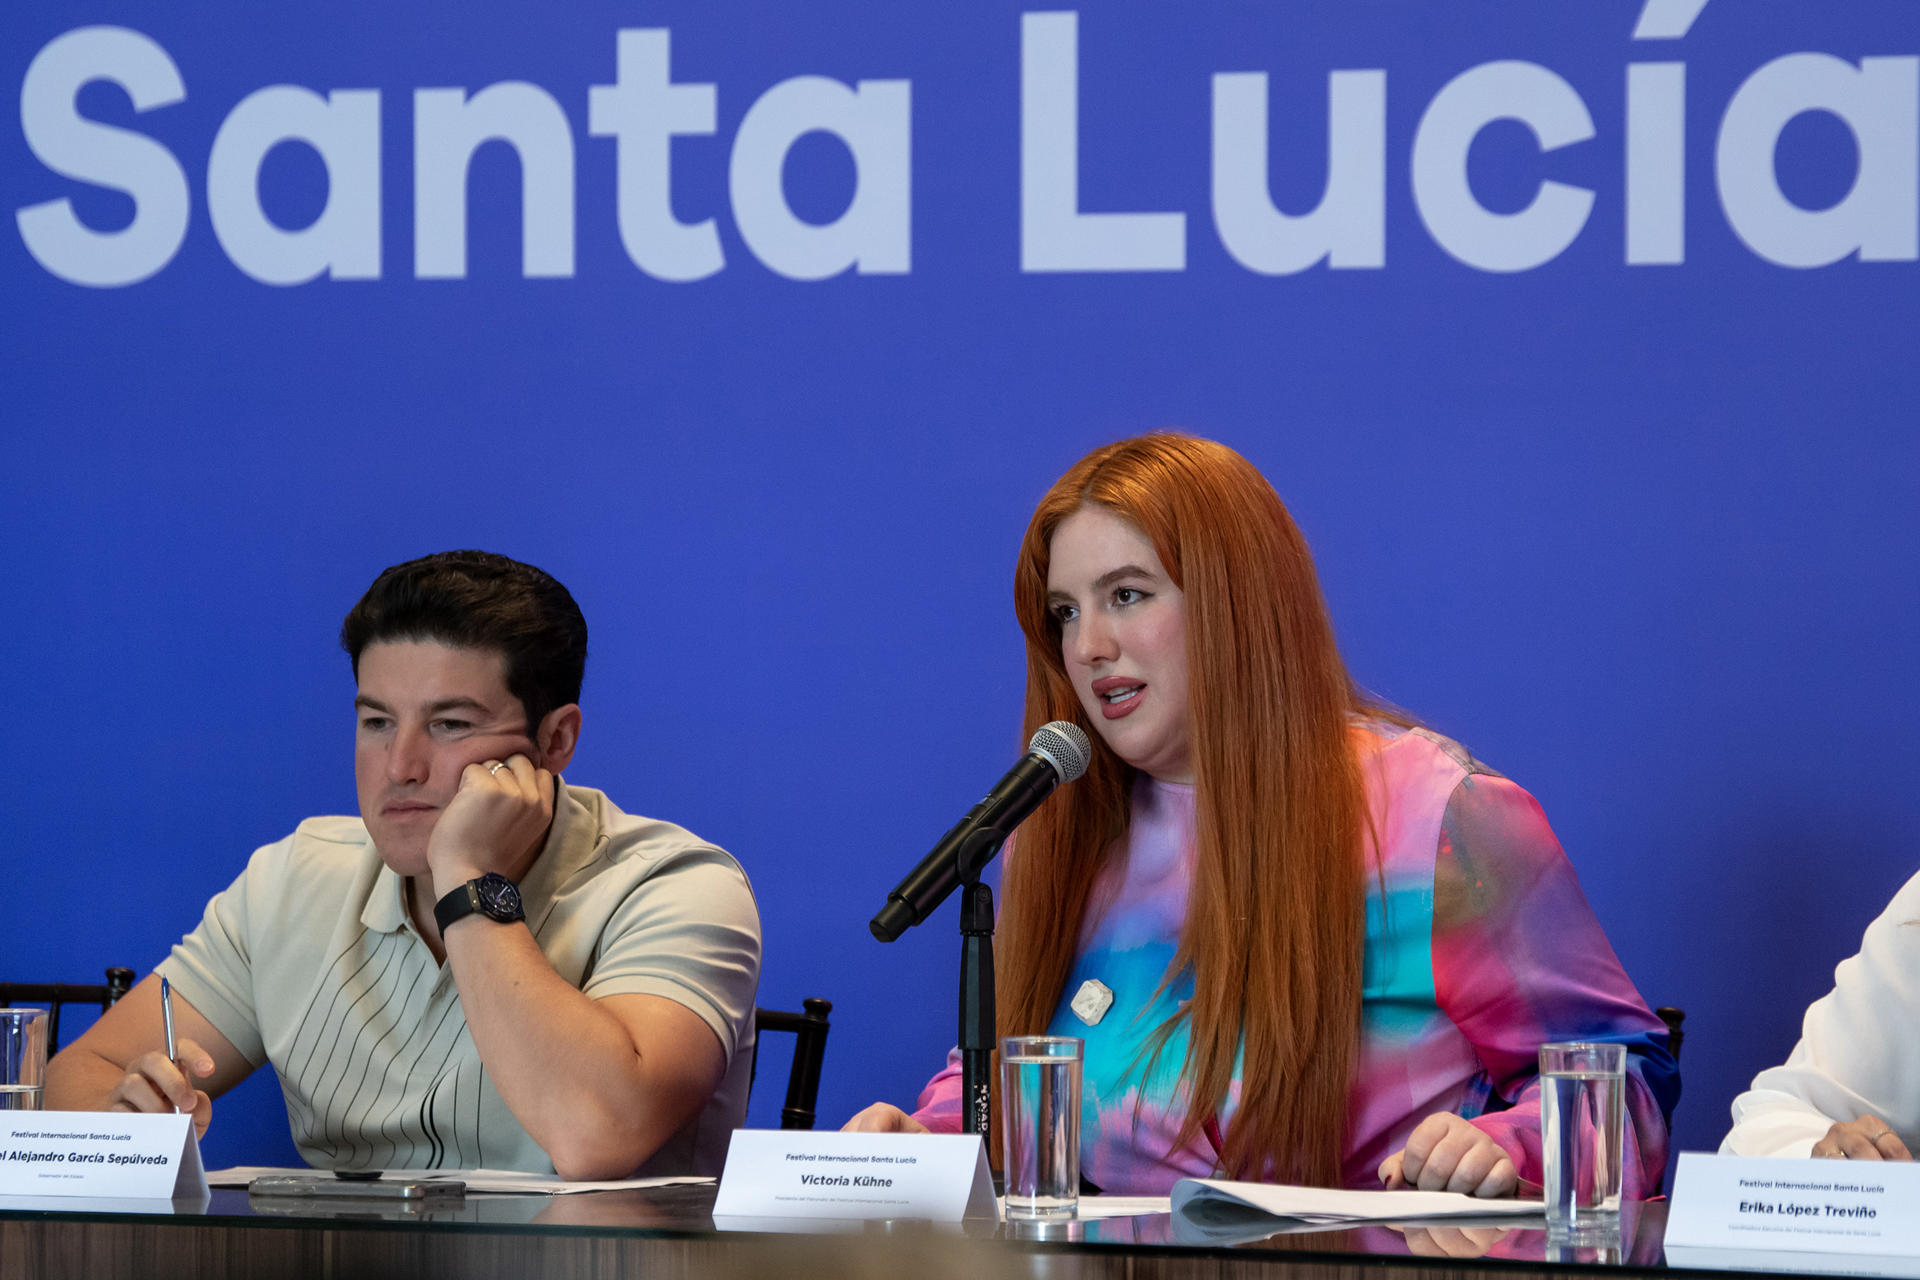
558, 735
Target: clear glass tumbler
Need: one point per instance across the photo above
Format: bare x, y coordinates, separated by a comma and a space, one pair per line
1582, 1136
1040, 1124
23, 1058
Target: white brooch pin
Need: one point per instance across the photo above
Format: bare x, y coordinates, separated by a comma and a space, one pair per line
1091, 1002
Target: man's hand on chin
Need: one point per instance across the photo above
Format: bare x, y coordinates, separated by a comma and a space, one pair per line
496, 822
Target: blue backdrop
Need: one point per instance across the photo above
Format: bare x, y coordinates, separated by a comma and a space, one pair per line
1590, 382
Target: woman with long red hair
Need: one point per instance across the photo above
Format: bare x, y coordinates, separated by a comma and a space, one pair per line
1304, 939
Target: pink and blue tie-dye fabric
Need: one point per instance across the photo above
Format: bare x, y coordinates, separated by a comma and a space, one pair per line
1480, 947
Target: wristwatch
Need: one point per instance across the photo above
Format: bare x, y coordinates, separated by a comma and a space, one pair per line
492, 895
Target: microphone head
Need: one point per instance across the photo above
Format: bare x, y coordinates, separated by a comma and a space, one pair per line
1064, 745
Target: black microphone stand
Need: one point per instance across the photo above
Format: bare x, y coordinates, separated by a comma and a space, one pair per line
976, 1007
977, 1026
1057, 753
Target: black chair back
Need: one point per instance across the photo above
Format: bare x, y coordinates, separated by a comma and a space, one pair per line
54, 994
1673, 1018
809, 1051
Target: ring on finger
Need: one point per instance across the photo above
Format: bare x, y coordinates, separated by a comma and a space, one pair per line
496, 767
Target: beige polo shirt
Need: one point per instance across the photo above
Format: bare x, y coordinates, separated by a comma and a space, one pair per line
308, 961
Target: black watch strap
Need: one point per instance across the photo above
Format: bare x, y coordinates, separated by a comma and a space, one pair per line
492, 895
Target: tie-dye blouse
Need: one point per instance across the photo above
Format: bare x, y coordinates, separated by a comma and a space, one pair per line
1480, 947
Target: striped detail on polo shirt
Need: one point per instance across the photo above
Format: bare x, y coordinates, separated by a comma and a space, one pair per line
382, 1071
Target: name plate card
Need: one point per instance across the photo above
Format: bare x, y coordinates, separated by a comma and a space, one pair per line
795, 1173
1803, 1206
100, 1154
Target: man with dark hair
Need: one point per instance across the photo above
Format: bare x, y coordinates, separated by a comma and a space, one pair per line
476, 600
488, 968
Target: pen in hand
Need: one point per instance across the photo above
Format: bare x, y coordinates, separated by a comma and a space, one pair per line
166, 1016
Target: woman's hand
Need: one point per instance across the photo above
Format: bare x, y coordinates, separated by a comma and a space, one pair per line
1446, 1153
883, 1117
1868, 1138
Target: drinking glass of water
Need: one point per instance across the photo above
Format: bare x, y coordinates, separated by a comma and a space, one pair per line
23, 1058
1582, 1136
1040, 1124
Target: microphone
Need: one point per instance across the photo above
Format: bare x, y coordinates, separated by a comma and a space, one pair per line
1059, 752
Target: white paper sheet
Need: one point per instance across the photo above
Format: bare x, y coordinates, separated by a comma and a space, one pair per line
477, 1180
1327, 1206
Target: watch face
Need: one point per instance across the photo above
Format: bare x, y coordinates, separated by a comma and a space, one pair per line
499, 897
